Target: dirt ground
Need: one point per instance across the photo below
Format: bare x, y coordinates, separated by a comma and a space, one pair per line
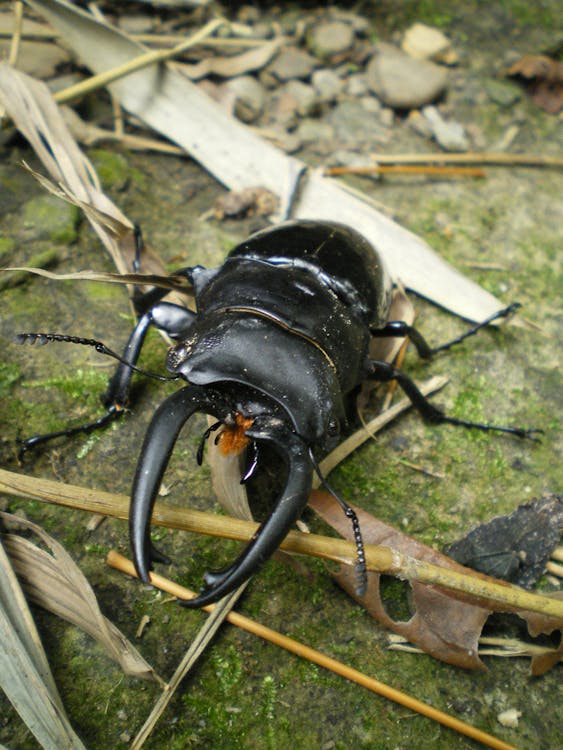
502, 231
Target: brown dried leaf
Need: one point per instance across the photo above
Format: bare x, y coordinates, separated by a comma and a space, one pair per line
53, 581
255, 201
445, 624
544, 80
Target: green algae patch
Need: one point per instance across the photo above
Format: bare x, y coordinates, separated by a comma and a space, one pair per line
48, 217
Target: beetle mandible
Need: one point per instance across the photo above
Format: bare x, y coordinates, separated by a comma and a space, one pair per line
276, 352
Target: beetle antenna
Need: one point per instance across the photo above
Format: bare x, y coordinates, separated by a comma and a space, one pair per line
360, 569
99, 346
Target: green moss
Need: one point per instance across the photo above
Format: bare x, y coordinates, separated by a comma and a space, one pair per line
112, 167
7, 244
48, 217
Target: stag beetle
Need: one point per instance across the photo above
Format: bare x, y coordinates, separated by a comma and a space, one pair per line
276, 352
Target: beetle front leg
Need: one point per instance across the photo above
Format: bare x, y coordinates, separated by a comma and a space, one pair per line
400, 329
173, 319
385, 372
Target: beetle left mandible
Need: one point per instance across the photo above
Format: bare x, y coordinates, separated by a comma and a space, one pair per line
276, 352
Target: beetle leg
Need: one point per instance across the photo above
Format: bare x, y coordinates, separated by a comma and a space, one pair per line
400, 328
159, 441
286, 511
385, 372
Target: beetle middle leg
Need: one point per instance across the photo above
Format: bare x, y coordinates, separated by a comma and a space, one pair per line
385, 372
399, 328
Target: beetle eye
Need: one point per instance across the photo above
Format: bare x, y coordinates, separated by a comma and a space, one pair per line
333, 427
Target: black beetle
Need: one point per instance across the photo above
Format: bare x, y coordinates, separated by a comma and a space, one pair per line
276, 352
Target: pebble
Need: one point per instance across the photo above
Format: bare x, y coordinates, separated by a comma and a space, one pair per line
401, 81
327, 84
427, 43
250, 97
330, 38
419, 123
293, 63
315, 132
450, 135
305, 96
357, 85
355, 127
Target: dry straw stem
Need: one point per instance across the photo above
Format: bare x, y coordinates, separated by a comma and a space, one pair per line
140, 62
378, 558
306, 652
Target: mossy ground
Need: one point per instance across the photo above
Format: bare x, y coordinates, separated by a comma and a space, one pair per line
246, 693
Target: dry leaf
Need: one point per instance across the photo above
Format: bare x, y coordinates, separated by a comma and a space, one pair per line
234, 65
543, 77
25, 676
515, 547
53, 581
445, 624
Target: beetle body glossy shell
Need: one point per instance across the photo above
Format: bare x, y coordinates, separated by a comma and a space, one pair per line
288, 314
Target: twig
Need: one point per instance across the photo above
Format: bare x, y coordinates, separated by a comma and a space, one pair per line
557, 554
17, 35
142, 61
379, 558
378, 169
499, 159
421, 469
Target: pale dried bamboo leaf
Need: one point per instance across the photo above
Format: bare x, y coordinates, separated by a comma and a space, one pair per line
172, 105
25, 676
53, 581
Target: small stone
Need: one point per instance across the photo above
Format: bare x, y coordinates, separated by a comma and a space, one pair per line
282, 109
355, 127
371, 104
356, 85
314, 131
250, 97
330, 38
419, 124
327, 84
449, 135
509, 718
305, 97
387, 117
401, 81
427, 43
293, 63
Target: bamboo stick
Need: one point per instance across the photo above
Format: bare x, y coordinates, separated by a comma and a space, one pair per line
474, 588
